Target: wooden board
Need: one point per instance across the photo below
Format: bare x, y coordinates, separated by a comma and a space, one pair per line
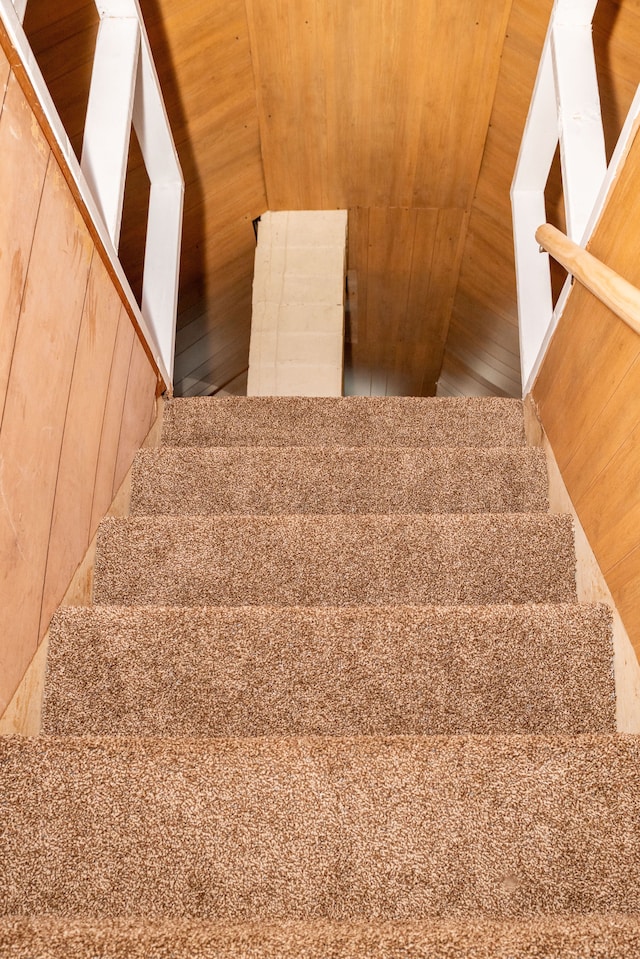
406, 265
60, 311
71, 524
587, 393
25, 155
104, 487
63, 37
138, 411
4, 75
34, 416
374, 104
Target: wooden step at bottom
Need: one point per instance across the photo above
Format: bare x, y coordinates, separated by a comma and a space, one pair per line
615, 936
343, 421
399, 828
265, 671
338, 480
335, 560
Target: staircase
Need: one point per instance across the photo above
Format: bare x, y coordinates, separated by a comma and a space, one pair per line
335, 698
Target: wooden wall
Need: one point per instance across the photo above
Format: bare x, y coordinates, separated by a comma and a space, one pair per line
482, 353
77, 392
382, 108
588, 395
408, 114
204, 64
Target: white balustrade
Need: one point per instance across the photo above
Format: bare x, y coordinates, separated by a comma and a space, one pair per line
125, 91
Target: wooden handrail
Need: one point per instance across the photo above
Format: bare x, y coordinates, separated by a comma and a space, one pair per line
622, 297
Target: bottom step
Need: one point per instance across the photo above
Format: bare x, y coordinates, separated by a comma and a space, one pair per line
571, 937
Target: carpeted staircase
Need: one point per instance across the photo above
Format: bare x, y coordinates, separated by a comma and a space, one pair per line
335, 698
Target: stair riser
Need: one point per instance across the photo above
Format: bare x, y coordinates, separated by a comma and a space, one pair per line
334, 480
347, 421
337, 560
339, 829
350, 671
571, 937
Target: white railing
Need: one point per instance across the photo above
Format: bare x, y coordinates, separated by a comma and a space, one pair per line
124, 91
565, 109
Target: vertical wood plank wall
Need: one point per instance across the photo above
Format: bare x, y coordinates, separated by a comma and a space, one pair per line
588, 396
382, 108
77, 392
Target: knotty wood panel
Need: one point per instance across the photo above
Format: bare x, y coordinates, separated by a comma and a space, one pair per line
59, 312
71, 529
587, 393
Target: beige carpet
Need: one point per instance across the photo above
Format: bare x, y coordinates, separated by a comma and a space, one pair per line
569, 937
336, 699
191, 481
348, 421
346, 671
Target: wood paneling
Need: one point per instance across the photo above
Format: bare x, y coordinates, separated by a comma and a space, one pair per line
22, 175
60, 311
105, 485
205, 69
485, 305
138, 411
587, 392
4, 74
63, 36
374, 104
486, 297
204, 63
406, 264
35, 409
378, 107
71, 529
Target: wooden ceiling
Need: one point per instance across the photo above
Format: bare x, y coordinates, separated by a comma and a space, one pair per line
409, 115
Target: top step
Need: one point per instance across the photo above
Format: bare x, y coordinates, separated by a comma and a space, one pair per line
348, 421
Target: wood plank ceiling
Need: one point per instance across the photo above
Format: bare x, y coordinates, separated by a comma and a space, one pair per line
409, 115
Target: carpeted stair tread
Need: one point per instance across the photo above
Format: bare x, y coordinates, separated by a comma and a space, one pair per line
320, 828
595, 936
335, 560
343, 421
265, 671
337, 480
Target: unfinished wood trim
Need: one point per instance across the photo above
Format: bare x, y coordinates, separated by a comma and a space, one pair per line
20, 73
620, 296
